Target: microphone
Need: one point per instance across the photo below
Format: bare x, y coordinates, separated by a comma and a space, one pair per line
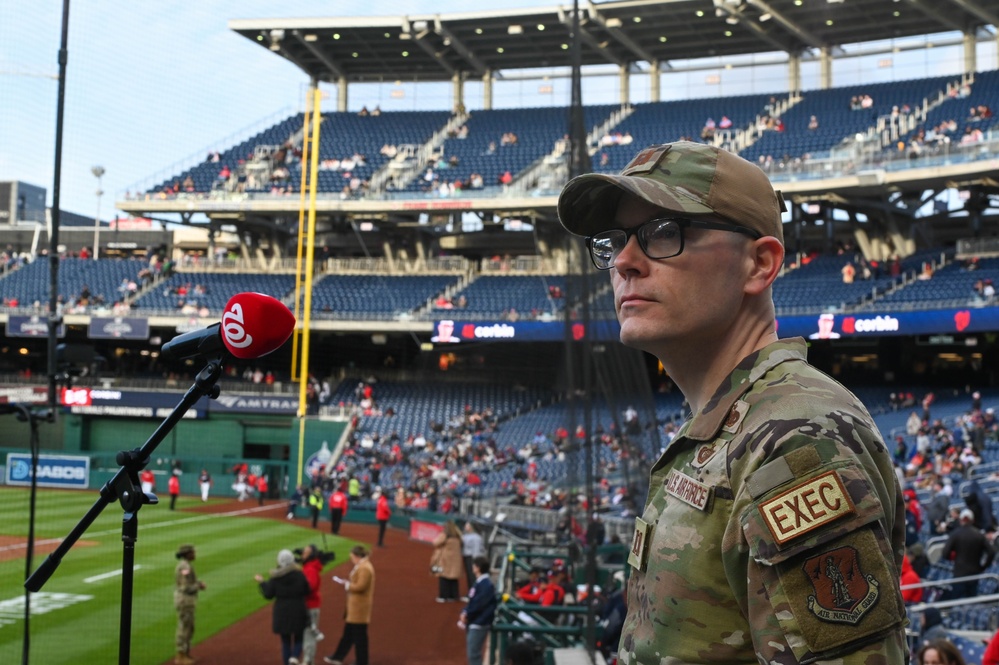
253, 325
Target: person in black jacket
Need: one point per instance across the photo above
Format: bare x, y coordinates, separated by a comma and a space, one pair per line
289, 587
971, 552
477, 617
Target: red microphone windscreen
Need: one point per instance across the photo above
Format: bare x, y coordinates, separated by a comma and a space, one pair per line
254, 324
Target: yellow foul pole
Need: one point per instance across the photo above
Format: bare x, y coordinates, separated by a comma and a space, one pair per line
310, 245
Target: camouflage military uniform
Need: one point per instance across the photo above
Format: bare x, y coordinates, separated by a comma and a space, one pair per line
185, 597
774, 529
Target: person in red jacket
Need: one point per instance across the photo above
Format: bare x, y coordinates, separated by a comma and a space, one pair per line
173, 486
338, 510
261, 489
382, 513
991, 655
910, 576
312, 566
530, 592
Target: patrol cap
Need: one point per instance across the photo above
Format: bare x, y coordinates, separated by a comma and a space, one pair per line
184, 550
683, 177
967, 514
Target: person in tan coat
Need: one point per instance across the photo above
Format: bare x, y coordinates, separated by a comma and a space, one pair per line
360, 588
447, 562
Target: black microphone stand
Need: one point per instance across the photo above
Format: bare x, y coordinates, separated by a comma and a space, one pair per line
126, 489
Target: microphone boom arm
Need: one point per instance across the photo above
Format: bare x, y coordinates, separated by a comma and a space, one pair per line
125, 487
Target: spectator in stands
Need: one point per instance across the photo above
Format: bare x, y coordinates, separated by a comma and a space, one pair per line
937, 507
725, 122
910, 577
506, 178
979, 503
991, 655
939, 652
913, 517
813, 123
364, 112
530, 591
848, 272
683, 221
931, 628
708, 131
971, 552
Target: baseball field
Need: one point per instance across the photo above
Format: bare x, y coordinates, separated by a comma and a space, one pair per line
75, 617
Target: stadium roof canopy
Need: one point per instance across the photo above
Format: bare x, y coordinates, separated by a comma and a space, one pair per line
437, 47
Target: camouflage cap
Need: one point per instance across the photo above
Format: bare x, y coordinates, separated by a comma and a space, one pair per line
683, 177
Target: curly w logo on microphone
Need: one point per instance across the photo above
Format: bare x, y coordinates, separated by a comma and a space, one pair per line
232, 327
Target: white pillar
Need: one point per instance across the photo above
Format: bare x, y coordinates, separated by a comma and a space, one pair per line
655, 81
487, 90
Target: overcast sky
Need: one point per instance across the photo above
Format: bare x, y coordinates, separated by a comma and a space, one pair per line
152, 86
149, 85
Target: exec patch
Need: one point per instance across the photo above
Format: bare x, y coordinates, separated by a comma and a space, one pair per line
843, 592
806, 507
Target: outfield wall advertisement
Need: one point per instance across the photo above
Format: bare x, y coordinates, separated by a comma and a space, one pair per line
64, 471
824, 326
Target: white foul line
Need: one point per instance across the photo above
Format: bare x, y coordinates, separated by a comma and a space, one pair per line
104, 576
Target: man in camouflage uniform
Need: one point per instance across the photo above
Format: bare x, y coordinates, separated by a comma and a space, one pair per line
185, 597
773, 530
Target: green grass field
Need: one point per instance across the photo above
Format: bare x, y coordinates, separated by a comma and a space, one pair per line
76, 615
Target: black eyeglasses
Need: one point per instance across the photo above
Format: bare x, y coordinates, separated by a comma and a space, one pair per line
660, 238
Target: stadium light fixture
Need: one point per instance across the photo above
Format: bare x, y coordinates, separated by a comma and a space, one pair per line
613, 22
98, 172
515, 30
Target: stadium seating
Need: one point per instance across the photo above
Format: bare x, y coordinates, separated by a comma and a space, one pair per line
30, 284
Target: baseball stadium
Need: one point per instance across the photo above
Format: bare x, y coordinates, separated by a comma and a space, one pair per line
366, 293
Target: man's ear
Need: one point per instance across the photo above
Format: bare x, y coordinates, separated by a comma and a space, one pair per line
767, 256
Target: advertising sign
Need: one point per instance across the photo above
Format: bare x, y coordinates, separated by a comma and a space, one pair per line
66, 471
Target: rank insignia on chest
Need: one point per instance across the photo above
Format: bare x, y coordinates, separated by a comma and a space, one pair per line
843, 593
704, 455
640, 544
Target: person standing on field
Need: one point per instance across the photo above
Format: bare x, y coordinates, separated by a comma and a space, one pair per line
205, 482
338, 510
360, 589
185, 599
173, 487
382, 513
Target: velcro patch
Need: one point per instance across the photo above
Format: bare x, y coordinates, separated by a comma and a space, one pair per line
639, 544
806, 507
688, 490
647, 160
843, 592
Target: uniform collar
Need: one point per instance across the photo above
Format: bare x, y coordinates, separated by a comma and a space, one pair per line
705, 425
